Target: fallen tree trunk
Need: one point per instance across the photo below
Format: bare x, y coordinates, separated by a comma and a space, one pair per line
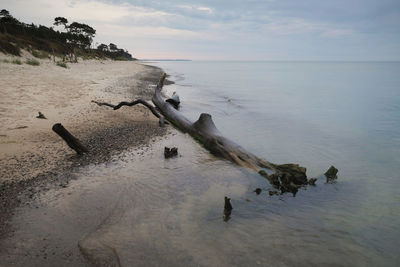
286, 177
71, 140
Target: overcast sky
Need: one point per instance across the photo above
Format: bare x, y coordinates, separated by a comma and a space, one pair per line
232, 29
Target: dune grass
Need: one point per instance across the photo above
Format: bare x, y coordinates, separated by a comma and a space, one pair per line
32, 62
61, 64
17, 62
40, 54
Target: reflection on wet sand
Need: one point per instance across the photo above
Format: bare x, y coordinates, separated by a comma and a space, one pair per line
144, 210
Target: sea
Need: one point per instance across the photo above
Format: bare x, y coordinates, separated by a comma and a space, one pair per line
317, 114
144, 210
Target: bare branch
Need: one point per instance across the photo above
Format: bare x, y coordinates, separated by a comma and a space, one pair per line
133, 103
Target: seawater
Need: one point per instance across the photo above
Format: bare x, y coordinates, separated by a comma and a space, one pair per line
315, 113
318, 114
144, 210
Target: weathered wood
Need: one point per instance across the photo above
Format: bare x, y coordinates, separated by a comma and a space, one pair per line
41, 116
71, 140
174, 100
331, 174
170, 152
258, 191
132, 103
227, 209
286, 177
103, 104
312, 181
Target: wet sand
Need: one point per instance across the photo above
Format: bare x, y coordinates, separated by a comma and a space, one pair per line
32, 157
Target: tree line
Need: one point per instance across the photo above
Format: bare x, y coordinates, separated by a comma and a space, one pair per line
73, 39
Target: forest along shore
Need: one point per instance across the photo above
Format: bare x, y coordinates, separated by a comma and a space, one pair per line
32, 156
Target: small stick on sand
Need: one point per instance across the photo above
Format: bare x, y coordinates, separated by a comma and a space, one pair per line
41, 116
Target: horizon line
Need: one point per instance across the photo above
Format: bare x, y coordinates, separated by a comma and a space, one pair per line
268, 60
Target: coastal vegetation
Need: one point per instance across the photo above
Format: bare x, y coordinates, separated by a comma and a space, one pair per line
40, 54
17, 62
32, 62
70, 41
61, 64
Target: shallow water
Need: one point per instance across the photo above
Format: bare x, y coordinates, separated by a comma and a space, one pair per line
317, 114
144, 210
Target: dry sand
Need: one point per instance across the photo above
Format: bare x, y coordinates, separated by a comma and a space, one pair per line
30, 151
64, 95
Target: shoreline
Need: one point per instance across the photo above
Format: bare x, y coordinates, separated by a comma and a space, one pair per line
33, 158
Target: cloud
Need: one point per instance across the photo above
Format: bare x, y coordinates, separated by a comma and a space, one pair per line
199, 9
82, 10
337, 33
205, 9
153, 32
226, 28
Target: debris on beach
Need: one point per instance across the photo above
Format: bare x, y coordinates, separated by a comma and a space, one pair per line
227, 209
312, 181
331, 174
170, 152
287, 181
41, 116
71, 140
18, 127
258, 191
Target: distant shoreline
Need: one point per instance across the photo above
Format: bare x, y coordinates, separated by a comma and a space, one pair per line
164, 59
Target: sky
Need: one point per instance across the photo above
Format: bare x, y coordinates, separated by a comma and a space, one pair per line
232, 29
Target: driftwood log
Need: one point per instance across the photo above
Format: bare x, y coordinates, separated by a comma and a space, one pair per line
285, 177
71, 140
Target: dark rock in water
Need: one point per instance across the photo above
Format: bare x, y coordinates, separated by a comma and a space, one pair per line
41, 116
227, 209
273, 192
312, 181
258, 191
263, 173
170, 152
331, 174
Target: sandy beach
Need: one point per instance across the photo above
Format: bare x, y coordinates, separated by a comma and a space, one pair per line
31, 153
199, 133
